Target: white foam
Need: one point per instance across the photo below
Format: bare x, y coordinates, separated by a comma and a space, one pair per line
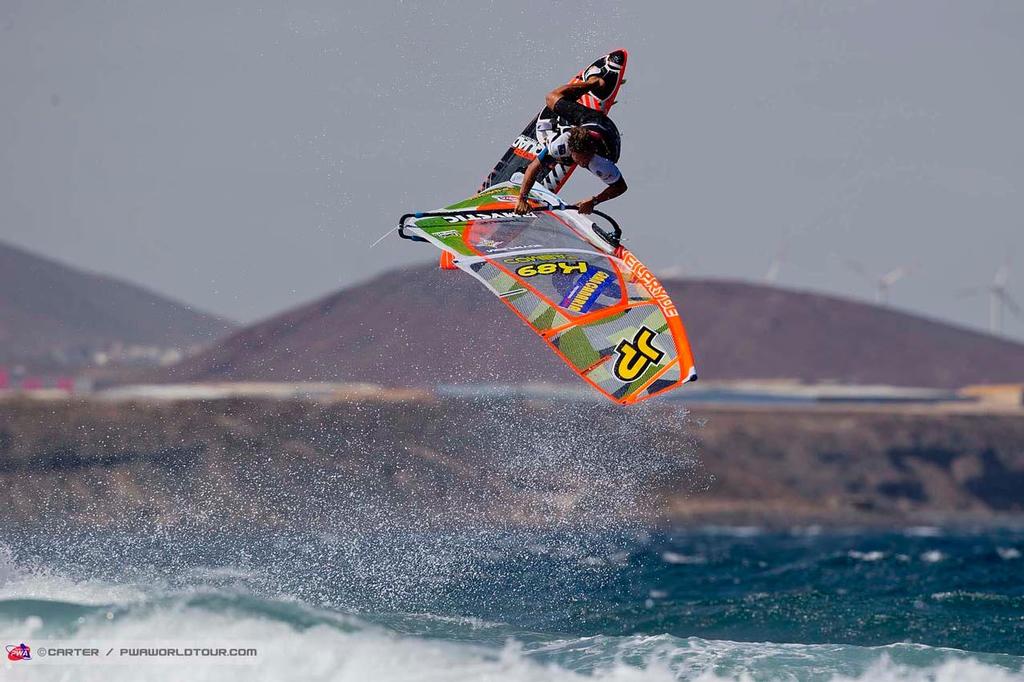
470, 622
676, 558
317, 653
354, 650
965, 670
46, 584
873, 555
965, 595
372, 653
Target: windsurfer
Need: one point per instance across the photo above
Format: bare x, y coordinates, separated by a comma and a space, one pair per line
592, 142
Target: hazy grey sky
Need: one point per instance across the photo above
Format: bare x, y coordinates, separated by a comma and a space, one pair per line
243, 157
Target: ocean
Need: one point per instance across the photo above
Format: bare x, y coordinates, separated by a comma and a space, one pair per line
708, 604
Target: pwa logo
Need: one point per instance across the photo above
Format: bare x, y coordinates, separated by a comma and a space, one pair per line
637, 355
19, 652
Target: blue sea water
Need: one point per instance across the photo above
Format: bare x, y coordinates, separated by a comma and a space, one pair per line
489, 604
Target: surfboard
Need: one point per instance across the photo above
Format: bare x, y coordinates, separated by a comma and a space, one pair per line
524, 149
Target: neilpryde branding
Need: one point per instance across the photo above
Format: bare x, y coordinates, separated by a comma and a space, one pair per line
19, 652
644, 276
467, 217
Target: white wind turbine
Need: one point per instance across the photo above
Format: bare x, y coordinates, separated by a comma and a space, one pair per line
775, 267
999, 299
883, 282
673, 271
686, 269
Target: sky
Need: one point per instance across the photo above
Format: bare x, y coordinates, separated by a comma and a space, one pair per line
243, 157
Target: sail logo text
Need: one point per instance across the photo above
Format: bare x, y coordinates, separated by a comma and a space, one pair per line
637, 355
553, 268
534, 257
647, 278
579, 302
467, 217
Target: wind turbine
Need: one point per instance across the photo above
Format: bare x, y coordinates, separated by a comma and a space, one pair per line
673, 271
883, 282
999, 299
687, 268
772, 275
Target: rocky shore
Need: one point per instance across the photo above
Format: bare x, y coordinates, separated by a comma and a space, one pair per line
430, 462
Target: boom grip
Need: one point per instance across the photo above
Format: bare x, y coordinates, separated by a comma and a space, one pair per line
612, 237
617, 233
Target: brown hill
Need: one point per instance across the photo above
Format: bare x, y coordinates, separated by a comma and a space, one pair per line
421, 326
56, 315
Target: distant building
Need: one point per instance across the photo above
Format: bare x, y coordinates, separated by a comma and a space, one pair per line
996, 394
18, 380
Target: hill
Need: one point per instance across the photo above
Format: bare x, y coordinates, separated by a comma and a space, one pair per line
54, 315
421, 326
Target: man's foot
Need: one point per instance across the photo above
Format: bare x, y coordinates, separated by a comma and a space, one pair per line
607, 72
546, 129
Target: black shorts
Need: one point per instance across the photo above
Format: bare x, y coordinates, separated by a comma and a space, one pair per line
578, 115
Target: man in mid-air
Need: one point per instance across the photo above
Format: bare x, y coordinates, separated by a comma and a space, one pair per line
592, 143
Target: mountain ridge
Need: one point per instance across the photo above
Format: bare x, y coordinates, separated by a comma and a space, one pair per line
55, 314
422, 326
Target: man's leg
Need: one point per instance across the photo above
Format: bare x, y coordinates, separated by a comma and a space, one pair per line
576, 114
572, 91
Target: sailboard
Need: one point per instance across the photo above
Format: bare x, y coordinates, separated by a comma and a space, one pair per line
591, 300
524, 149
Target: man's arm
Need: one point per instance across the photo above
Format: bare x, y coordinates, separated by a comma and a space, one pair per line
529, 177
616, 189
572, 91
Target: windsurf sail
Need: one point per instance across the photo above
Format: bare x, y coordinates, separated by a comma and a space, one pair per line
594, 304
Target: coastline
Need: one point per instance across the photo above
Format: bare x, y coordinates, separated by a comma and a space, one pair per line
447, 462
